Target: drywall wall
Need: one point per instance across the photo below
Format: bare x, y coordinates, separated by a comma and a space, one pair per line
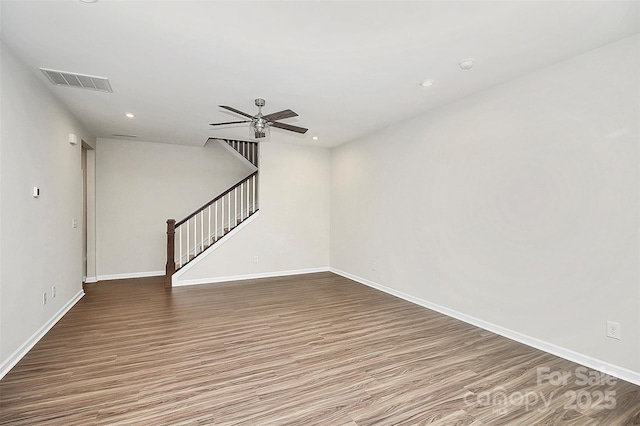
139, 185
291, 233
40, 248
517, 206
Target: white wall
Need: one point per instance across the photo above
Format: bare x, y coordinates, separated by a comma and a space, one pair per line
139, 185
517, 206
38, 245
291, 233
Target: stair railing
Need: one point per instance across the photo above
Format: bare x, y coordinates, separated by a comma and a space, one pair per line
248, 150
191, 236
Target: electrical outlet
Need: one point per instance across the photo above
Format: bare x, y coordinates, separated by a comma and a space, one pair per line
53, 292
44, 298
374, 266
255, 259
74, 223
613, 330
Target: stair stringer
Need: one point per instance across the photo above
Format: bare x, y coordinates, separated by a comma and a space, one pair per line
213, 247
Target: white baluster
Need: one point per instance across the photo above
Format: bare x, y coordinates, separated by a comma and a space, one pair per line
188, 245
241, 200
253, 178
235, 206
176, 241
202, 230
209, 234
215, 227
229, 211
248, 208
180, 236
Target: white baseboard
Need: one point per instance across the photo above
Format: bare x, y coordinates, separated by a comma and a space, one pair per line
89, 280
19, 353
568, 354
249, 276
127, 276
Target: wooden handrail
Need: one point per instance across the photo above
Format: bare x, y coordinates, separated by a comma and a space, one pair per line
216, 199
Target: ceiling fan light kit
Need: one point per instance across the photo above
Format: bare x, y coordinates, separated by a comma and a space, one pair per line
261, 124
260, 128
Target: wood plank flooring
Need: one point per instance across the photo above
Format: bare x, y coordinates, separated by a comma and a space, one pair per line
313, 349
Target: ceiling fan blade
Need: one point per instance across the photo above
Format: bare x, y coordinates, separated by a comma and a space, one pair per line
290, 127
237, 111
230, 122
286, 113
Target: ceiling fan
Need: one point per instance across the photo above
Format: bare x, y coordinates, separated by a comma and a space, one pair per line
260, 123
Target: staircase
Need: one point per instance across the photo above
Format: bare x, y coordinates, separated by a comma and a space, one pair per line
193, 235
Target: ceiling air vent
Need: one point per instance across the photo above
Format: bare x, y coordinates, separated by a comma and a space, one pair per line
82, 81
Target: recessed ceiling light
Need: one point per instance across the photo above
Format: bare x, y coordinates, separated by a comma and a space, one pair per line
315, 138
89, 1
426, 83
129, 115
466, 64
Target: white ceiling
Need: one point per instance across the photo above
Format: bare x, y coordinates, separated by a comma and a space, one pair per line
347, 68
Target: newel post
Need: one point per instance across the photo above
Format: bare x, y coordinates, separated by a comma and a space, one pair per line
171, 263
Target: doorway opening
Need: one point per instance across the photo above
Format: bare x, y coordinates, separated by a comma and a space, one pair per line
87, 163
83, 164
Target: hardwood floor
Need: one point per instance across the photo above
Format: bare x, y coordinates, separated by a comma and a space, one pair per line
313, 349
